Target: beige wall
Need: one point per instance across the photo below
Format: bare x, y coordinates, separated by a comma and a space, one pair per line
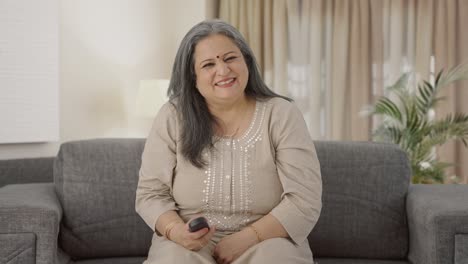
106, 47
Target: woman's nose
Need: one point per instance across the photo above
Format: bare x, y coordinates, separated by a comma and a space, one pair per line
222, 68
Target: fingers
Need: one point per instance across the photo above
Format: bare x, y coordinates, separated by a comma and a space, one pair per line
196, 245
199, 239
198, 234
221, 259
217, 256
205, 239
210, 233
195, 240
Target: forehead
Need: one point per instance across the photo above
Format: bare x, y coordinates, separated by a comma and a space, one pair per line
214, 45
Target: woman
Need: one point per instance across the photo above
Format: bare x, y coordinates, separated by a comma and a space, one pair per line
227, 148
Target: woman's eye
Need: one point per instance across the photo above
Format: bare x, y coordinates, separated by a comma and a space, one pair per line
208, 65
230, 58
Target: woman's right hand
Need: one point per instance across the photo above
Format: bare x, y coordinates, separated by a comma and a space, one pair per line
194, 241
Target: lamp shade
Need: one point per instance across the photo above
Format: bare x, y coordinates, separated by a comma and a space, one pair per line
152, 94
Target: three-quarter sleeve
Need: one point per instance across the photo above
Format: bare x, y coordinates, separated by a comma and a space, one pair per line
153, 194
299, 172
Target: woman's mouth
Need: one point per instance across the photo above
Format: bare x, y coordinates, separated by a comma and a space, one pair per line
226, 83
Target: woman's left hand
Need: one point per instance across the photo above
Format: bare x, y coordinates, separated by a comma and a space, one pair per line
231, 247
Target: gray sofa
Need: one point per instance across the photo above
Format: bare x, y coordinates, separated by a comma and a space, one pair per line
28, 170
371, 214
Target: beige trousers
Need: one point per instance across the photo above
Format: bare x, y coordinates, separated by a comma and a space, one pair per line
272, 251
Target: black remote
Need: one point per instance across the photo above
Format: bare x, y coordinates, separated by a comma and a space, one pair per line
198, 223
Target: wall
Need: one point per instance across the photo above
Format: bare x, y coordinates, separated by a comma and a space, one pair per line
106, 48
29, 59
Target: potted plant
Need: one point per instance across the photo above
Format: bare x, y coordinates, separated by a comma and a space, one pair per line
408, 119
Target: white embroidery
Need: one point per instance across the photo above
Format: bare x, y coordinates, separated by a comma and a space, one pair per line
228, 188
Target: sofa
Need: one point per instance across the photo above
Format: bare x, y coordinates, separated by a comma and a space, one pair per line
371, 213
26, 170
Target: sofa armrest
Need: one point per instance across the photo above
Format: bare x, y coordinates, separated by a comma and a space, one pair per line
438, 224
30, 217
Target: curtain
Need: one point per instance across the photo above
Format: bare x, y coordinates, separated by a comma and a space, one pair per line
334, 57
263, 23
450, 48
303, 44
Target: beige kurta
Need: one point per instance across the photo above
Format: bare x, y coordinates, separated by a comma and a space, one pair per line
272, 168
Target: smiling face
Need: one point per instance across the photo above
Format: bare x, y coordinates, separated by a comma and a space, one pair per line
221, 71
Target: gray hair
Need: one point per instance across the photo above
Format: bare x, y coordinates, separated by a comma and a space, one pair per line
197, 121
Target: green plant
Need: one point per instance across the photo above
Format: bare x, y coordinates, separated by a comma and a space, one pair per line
408, 119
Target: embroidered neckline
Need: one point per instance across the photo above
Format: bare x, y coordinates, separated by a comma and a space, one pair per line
251, 132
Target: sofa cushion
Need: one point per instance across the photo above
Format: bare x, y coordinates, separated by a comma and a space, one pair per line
35, 210
357, 261
18, 248
461, 248
96, 182
364, 191
29, 170
135, 260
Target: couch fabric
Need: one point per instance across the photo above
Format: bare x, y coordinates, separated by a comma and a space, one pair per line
18, 248
364, 192
438, 220
96, 184
13, 171
33, 209
461, 248
370, 215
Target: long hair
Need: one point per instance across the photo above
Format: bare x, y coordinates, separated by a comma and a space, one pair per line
197, 121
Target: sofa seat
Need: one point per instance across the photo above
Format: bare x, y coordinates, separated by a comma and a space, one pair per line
132, 260
357, 261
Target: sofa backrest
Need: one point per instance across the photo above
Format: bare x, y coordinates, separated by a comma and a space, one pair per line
27, 170
96, 183
363, 214
364, 192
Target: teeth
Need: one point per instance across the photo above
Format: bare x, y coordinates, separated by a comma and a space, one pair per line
226, 82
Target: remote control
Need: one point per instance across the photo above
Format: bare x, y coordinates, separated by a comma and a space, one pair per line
198, 223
